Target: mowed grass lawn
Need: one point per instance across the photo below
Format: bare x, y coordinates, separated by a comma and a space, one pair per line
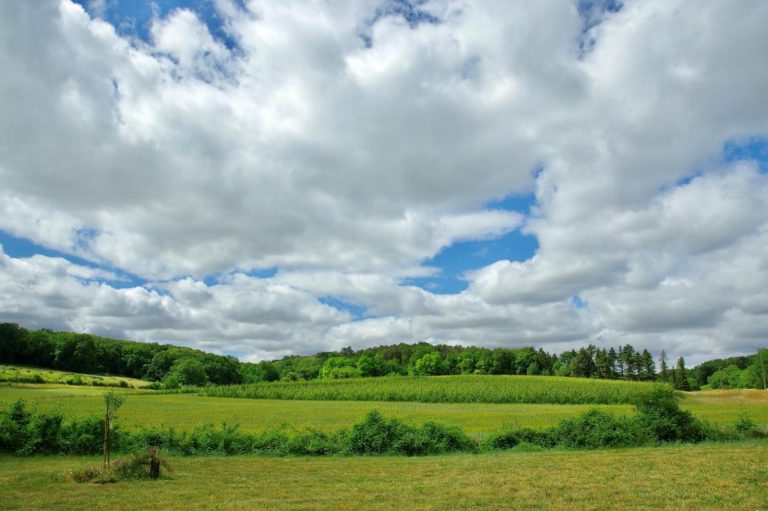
679, 477
185, 411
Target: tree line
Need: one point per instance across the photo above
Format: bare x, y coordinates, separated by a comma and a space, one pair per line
86, 353
173, 366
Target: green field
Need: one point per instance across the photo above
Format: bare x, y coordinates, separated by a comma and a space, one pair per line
38, 375
185, 411
447, 389
695, 477
687, 477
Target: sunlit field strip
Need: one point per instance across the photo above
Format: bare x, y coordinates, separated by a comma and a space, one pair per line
186, 411
22, 373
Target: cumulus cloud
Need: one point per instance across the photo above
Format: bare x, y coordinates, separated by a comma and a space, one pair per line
343, 144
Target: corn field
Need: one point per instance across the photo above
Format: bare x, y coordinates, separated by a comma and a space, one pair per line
445, 389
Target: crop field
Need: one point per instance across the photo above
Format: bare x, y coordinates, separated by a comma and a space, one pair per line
38, 375
185, 411
687, 477
446, 389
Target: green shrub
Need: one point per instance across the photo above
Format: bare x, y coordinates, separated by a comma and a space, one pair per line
596, 428
13, 427
171, 382
82, 436
744, 426
444, 438
521, 436
43, 432
312, 442
660, 416
272, 441
375, 435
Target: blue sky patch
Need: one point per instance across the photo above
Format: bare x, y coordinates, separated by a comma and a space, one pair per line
133, 18
408, 10
356, 311
17, 247
752, 148
519, 203
578, 302
592, 13
455, 260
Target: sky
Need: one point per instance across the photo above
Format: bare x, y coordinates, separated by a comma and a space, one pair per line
273, 177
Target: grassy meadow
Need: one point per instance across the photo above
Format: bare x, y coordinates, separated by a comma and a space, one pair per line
185, 411
677, 477
723, 475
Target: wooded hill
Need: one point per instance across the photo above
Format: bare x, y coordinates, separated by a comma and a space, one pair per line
174, 365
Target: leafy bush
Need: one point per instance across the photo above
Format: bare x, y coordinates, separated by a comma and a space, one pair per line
314, 443
511, 438
377, 435
272, 442
660, 416
744, 426
83, 436
443, 438
13, 425
595, 429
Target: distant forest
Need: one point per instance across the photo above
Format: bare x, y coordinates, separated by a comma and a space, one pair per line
172, 366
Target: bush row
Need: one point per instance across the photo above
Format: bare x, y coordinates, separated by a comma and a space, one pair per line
658, 420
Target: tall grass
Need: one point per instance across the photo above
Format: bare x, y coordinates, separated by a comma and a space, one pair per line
446, 389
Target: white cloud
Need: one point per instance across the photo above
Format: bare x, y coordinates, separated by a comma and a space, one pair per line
346, 166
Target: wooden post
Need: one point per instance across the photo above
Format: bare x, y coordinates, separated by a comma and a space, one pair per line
154, 467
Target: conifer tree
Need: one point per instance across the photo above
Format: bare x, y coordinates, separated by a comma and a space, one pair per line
648, 366
680, 380
663, 367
